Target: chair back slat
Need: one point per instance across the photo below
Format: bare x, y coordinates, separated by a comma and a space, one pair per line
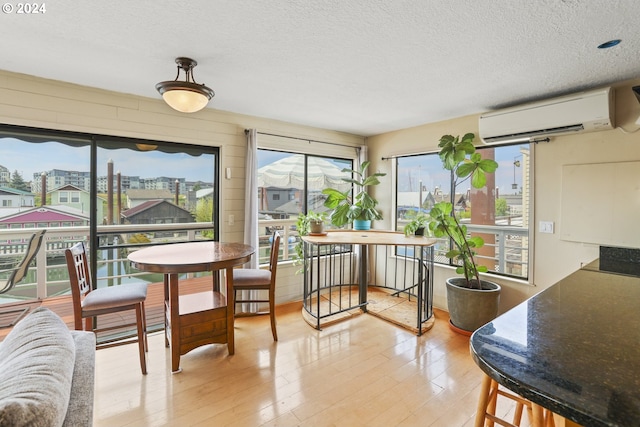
79, 278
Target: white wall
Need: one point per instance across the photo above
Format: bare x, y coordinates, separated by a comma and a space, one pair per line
553, 258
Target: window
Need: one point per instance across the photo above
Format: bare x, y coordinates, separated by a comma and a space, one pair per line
103, 180
289, 184
499, 212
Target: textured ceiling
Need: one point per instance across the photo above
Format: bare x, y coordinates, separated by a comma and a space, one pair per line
359, 66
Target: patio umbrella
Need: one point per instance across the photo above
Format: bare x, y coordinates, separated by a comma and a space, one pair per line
289, 173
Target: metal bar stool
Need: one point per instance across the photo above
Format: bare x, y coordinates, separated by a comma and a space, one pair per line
486, 413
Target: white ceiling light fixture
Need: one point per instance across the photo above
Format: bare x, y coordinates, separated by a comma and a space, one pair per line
185, 96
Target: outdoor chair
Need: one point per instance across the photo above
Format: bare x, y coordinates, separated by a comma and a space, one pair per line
251, 280
88, 303
18, 273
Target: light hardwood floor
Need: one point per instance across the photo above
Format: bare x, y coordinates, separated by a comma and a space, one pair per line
360, 372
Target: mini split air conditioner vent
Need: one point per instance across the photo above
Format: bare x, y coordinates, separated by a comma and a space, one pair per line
581, 112
532, 136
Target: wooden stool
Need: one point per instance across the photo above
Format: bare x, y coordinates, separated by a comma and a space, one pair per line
538, 416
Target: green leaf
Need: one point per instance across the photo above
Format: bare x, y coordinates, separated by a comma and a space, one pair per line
478, 179
488, 165
371, 180
466, 146
446, 140
339, 216
345, 170
476, 242
354, 212
351, 181
468, 137
465, 169
452, 253
334, 197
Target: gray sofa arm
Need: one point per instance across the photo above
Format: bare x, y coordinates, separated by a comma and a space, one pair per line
80, 409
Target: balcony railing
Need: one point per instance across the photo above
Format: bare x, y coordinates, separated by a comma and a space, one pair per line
511, 248
49, 277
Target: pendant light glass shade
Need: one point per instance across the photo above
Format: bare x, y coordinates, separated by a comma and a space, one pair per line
185, 96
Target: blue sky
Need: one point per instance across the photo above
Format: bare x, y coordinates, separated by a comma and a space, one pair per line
415, 168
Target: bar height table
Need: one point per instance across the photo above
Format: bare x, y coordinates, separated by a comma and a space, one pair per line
197, 319
319, 247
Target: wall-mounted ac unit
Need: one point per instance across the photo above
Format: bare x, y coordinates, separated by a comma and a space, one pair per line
581, 112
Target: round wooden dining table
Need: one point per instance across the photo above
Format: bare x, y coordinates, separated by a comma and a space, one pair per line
202, 318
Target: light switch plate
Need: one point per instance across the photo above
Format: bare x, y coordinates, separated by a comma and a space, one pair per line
546, 227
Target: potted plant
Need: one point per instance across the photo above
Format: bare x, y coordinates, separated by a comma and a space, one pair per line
307, 224
417, 225
472, 301
359, 208
315, 221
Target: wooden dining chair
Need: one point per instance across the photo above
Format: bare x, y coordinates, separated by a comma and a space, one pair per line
248, 279
88, 303
17, 273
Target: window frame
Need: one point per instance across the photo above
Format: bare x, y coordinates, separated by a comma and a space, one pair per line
304, 198
526, 193
93, 141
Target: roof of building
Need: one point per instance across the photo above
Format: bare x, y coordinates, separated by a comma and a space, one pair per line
45, 213
15, 191
150, 204
136, 194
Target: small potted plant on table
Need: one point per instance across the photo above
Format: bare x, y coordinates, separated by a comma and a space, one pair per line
417, 226
311, 223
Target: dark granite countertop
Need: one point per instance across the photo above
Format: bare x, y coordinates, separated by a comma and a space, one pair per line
574, 348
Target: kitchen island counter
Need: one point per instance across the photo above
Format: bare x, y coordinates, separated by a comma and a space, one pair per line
574, 348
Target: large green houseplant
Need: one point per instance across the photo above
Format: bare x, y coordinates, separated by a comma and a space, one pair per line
360, 207
459, 156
